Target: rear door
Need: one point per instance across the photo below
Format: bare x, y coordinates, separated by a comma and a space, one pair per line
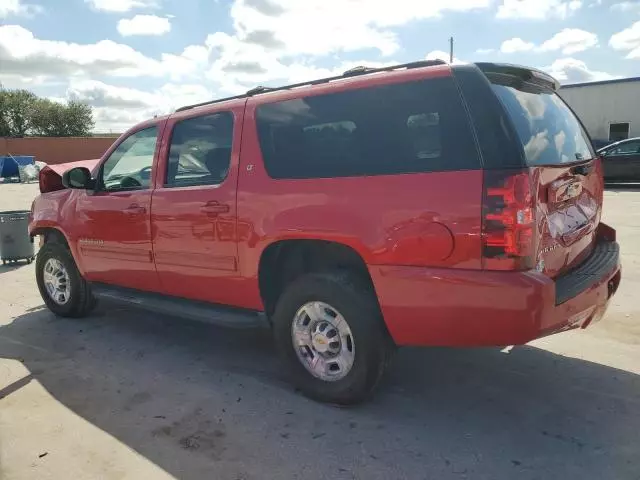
566, 176
193, 216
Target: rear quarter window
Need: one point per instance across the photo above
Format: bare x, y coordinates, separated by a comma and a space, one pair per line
547, 128
392, 129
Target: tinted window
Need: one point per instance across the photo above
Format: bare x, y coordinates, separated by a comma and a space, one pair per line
129, 165
411, 127
200, 151
549, 131
627, 148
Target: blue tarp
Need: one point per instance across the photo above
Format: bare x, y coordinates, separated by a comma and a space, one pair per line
9, 164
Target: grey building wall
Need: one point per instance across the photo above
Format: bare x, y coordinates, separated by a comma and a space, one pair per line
600, 103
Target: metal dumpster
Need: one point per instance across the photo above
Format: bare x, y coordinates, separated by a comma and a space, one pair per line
15, 242
10, 165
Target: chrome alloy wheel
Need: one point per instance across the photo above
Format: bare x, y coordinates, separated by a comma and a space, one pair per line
323, 341
56, 281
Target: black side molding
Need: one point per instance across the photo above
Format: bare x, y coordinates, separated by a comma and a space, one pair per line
219, 315
603, 260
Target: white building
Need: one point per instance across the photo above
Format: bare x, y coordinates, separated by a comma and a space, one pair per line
610, 109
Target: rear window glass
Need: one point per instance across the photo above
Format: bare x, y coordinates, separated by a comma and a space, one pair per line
404, 128
549, 131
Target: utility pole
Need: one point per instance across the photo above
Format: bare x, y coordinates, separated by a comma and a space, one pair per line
451, 50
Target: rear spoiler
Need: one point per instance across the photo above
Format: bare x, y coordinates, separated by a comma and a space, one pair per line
503, 72
51, 176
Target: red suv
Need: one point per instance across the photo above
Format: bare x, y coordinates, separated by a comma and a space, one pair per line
421, 204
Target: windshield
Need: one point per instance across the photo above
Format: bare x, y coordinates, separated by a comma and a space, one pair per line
549, 131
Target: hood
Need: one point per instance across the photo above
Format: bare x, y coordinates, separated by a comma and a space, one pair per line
63, 167
51, 175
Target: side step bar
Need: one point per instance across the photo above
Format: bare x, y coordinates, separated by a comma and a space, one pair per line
219, 315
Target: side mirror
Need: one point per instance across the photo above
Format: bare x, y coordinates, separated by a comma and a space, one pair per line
78, 178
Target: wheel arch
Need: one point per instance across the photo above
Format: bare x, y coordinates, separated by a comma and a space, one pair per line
282, 261
50, 233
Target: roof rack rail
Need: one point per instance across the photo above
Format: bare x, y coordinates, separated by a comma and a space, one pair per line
360, 70
257, 90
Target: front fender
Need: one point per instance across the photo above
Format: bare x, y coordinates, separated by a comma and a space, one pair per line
54, 211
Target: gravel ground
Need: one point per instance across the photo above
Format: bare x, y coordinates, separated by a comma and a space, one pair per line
130, 395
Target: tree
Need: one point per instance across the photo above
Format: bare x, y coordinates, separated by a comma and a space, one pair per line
79, 118
23, 113
16, 109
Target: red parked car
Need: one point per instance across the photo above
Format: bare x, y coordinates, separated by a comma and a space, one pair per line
422, 204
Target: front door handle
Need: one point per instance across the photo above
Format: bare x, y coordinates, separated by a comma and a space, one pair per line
135, 209
214, 208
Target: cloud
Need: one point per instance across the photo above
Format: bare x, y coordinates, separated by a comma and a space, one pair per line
118, 108
144, 25
537, 9
23, 54
514, 45
99, 94
16, 7
121, 6
629, 40
625, 6
266, 7
442, 55
312, 27
571, 70
276, 40
569, 41
264, 38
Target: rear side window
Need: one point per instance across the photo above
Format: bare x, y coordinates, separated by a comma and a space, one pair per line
200, 152
549, 131
392, 129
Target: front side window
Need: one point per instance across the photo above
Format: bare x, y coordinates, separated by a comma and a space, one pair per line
411, 127
129, 165
549, 131
200, 152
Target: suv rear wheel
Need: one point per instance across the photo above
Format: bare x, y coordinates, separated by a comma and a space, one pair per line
61, 286
330, 334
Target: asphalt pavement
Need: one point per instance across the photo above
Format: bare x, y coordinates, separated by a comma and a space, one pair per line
130, 395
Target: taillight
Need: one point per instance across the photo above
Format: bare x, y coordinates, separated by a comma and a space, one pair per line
508, 224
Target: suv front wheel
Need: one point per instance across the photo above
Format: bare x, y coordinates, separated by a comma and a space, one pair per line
330, 333
61, 285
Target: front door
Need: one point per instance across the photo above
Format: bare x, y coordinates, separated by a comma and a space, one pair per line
193, 216
113, 223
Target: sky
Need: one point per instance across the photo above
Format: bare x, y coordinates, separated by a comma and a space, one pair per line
132, 59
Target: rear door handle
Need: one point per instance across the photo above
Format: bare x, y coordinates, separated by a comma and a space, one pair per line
135, 209
215, 208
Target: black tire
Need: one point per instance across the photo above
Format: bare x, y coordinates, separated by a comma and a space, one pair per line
81, 301
358, 305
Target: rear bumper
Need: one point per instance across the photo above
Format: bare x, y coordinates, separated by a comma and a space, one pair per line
448, 307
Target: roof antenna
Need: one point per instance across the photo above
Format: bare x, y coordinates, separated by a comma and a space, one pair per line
451, 50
